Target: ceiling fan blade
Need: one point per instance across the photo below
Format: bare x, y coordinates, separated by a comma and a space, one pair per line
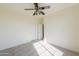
44, 7
41, 13
35, 13
29, 9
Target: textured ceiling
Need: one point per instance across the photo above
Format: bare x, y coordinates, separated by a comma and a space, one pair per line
19, 7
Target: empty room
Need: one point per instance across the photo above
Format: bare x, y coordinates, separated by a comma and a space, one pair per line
39, 29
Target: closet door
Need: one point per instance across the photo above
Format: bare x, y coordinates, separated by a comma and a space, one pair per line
40, 31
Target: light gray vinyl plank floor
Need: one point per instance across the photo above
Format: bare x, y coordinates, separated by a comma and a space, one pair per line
37, 48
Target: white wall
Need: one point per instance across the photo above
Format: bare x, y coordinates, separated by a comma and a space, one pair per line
62, 28
16, 28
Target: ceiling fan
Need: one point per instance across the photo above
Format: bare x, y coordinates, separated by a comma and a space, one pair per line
38, 9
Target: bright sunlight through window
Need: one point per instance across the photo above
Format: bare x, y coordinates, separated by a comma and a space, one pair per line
45, 49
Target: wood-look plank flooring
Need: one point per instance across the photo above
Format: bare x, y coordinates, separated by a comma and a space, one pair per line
37, 48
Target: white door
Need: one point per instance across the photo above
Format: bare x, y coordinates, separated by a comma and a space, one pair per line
39, 31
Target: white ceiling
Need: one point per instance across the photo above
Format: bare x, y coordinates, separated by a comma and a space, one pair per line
19, 7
